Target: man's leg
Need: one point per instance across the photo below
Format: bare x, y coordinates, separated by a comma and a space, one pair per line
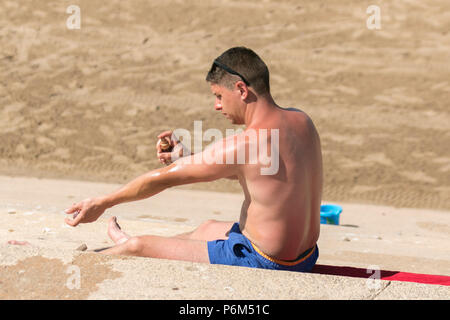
163, 248
190, 246
207, 231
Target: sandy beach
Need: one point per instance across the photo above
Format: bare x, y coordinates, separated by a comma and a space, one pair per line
80, 110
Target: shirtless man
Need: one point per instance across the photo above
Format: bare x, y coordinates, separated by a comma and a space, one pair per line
279, 223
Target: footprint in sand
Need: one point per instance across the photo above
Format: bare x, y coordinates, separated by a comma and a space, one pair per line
347, 90
417, 176
59, 153
42, 140
445, 163
26, 39
350, 163
378, 158
441, 86
353, 139
363, 189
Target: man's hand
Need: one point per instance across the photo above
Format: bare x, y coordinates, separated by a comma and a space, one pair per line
177, 148
88, 210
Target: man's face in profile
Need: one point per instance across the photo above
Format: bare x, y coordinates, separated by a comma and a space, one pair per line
227, 102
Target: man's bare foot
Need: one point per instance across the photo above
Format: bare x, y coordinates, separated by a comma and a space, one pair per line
20, 243
115, 232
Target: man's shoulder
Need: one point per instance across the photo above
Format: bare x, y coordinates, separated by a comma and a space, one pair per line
292, 109
299, 119
300, 115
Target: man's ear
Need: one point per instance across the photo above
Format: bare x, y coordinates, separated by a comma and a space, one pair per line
243, 89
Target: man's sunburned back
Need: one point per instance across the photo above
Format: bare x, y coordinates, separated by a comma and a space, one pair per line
281, 212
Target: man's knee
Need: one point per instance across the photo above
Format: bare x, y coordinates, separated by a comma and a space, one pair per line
206, 224
202, 230
134, 245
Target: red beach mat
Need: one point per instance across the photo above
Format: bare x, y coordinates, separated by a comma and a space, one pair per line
384, 275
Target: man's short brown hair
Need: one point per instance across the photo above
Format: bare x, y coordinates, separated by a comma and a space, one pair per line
240, 63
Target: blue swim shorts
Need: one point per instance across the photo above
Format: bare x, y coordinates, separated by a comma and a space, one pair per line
237, 250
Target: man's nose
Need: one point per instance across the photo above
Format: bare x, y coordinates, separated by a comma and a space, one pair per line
218, 105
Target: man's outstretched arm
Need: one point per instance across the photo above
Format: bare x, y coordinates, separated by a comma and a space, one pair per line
201, 167
89, 210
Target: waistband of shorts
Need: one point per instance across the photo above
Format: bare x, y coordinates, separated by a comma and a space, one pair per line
305, 255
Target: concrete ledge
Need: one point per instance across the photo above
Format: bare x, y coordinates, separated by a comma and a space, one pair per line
43, 273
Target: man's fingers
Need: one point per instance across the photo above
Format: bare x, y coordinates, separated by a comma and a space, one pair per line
75, 219
164, 157
72, 222
170, 136
165, 134
158, 146
73, 208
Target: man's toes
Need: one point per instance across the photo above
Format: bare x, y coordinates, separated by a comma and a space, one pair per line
117, 224
113, 222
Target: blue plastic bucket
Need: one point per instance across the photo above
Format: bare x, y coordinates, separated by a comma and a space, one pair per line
329, 214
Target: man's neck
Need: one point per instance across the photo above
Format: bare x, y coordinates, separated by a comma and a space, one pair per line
258, 110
